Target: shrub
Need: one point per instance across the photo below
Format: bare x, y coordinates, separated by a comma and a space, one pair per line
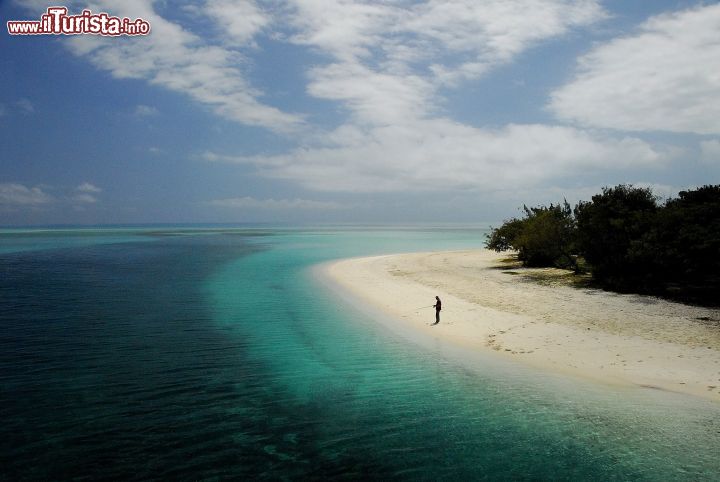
544, 237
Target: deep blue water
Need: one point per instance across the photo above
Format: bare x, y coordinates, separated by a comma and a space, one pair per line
201, 354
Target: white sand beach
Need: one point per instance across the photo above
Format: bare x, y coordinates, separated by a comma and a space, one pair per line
492, 306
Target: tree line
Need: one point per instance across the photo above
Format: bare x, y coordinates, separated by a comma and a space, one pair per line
627, 240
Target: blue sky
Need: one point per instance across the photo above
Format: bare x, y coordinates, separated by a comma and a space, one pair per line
347, 111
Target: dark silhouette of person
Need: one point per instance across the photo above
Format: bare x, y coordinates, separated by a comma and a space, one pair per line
438, 307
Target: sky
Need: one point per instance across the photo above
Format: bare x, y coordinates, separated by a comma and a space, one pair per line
343, 111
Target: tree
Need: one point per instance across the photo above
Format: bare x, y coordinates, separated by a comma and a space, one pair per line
544, 237
631, 243
610, 231
683, 245
502, 238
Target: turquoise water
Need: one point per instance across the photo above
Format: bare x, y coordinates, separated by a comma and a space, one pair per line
196, 354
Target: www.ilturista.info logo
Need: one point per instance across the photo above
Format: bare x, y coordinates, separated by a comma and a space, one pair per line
56, 21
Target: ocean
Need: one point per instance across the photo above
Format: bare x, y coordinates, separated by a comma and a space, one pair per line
202, 353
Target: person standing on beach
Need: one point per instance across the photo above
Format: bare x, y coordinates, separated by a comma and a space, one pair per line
438, 307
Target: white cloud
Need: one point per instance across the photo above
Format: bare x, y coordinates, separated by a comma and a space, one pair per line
456, 36
145, 111
21, 106
85, 193
387, 64
372, 97
493, 32
345, 29
574, 193
662, 191
241, 21
213, 157
710, 151
25, 106
274, 204
13, 194
87, 187
665, 77
390, 59
174, 58
441, 154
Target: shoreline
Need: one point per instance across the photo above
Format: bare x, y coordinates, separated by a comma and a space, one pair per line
609, 338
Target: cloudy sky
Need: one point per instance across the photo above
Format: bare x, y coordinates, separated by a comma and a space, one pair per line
355, 111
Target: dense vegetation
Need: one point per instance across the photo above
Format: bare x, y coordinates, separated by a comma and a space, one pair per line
627, 240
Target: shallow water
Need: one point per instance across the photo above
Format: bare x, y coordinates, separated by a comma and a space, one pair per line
218, 353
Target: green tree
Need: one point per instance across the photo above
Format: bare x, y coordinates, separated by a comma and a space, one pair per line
610, 231
683, 245
503, 238
631, 243
544, 237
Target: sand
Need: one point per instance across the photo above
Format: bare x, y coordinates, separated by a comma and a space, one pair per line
493, 306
